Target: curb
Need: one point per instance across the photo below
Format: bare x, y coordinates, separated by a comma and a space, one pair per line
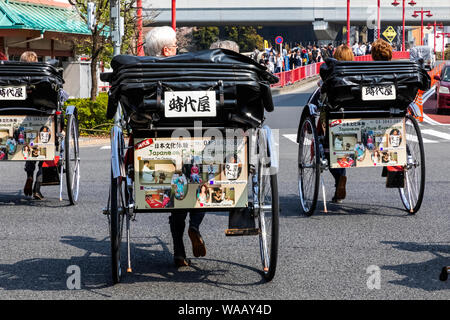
294, 86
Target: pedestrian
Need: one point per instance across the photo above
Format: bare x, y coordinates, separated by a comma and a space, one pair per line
286, 61
30, 166
342, 53
291, 59
256, 54
330, 50
278, 63
363, 49
305, 58
162, 42
297, 59
315, 54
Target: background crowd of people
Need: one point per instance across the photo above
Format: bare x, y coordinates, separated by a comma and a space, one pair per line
291, 58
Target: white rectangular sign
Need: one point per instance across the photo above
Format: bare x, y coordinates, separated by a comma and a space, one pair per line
13, 93
179, 104
378, 92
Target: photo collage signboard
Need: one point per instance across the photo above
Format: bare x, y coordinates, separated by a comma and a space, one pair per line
191, 173
25, 138
367, 142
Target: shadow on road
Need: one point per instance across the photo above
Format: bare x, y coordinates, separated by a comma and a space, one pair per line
150, 264
291, 207
421, 275
17, 198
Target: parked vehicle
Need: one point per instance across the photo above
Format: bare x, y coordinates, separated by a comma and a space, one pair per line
426, 53
443, 89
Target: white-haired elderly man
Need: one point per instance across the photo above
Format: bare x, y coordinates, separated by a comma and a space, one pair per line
162, 42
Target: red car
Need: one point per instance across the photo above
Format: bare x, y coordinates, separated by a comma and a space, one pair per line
443, 90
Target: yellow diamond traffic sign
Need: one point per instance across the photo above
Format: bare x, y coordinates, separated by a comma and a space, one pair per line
390, 34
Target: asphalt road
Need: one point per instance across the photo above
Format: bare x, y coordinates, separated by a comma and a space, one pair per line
326, 256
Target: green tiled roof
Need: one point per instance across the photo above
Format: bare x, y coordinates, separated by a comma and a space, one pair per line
31, 16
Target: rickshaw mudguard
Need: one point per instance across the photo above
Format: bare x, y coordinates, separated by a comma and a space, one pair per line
309, 110
415, 110
117, 144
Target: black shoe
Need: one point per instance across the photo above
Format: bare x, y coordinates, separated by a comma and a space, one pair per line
336, 200
181, 261
198, 245
38, 196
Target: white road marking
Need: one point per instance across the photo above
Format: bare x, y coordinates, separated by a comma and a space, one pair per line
105, 148
410, 137
292, 137
435, 133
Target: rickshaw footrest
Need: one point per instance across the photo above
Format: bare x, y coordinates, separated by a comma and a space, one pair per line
242, 232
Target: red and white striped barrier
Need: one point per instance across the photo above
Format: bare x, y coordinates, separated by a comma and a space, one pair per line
311, 70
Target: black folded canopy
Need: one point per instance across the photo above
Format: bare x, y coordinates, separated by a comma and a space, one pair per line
43, 83
241, 85
343, 82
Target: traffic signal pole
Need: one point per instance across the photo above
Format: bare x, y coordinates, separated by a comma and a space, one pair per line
115, 26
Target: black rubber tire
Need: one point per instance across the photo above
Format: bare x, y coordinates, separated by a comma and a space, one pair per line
116, 227
421, 163
307, 124
266, 177
71, 151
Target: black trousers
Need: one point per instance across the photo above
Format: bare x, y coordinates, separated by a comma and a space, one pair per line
177, 223
30, 167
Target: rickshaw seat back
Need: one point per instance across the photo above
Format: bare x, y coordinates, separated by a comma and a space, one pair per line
30, 85
362, 87
240, 86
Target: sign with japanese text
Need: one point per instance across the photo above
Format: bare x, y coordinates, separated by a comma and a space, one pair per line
13, 93
367, 142
190, 173
179, 104
27, 138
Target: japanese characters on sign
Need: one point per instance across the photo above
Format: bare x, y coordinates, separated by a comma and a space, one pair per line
179, 104
191, 173
367, 142
13, 93
27, 138
379, 92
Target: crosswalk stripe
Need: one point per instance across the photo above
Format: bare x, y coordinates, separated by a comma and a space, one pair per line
292, 137
435, 133
413, 138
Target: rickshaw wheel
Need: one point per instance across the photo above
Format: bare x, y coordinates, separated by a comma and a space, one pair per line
308, 165
72, 159
412, 194
117, 214
267, 211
